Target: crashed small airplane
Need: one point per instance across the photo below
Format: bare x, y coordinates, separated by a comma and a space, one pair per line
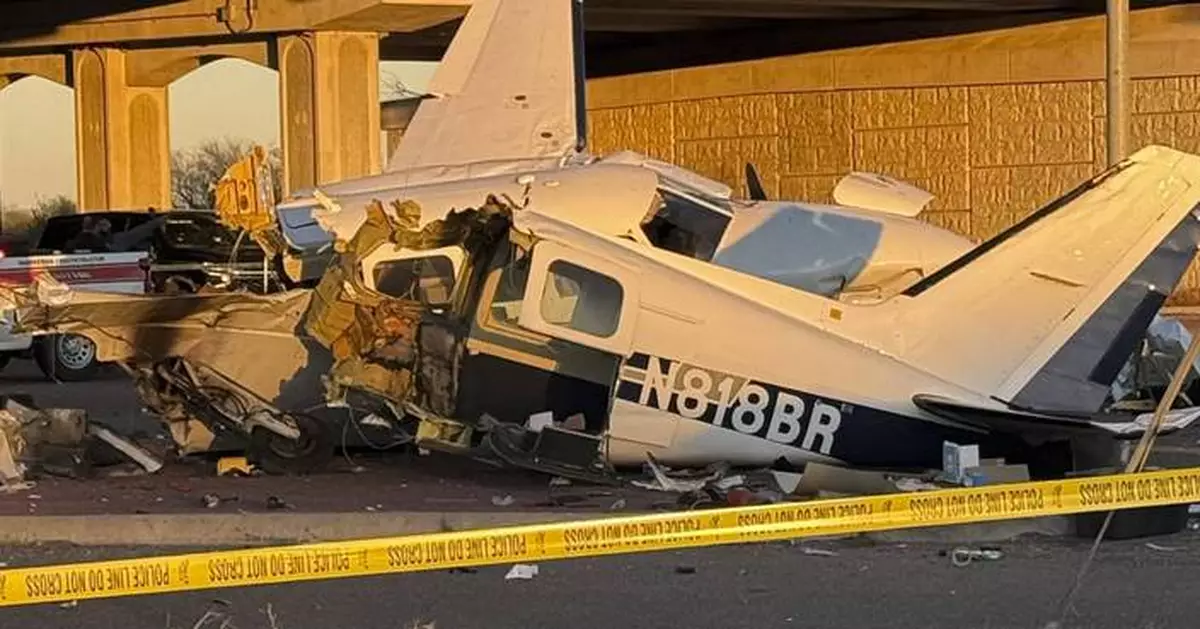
499, 292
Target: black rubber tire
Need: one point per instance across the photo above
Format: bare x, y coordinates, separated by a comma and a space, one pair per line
5, 358
48, 359
276, 455
177, 285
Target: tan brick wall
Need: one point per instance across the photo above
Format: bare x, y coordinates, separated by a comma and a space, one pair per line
994, 124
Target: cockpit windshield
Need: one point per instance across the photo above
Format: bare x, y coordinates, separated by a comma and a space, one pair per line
800, 246
796, 245
686, 226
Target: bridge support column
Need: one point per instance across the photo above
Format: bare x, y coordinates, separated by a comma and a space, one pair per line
329, 107
121, 135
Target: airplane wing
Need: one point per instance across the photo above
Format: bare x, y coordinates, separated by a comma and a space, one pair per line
1019, 422
506, 90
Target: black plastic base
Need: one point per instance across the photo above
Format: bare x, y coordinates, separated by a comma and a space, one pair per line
1134, 523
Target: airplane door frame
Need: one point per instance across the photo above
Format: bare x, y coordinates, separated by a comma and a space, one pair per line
391, 253
548, 254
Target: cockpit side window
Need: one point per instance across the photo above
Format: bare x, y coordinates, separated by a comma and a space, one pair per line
685, 227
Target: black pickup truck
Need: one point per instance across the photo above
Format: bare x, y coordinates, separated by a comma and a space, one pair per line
189, 249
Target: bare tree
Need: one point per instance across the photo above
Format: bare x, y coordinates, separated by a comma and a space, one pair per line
19, 223
45, 208
195, 172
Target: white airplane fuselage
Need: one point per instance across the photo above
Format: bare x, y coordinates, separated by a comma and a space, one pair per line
746, 356
762, 330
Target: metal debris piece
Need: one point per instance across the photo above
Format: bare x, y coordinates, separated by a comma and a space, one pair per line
665, 482
914, 484
538, 421
12, 472
126, 447
230, 465
820, 552
963, 556
374, 421
35, 441
14, 487
522, 571
575, 422
1148, 371
786, 481
503, 501
211, 501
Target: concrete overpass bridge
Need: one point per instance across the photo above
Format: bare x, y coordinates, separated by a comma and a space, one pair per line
120, 56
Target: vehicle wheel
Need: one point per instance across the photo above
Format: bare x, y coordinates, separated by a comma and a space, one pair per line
277, 455
177, 285
66, 357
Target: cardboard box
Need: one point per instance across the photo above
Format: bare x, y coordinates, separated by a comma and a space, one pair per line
956, 459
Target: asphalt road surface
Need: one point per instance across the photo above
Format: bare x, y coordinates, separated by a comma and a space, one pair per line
354, 482
109, 398
1130, 586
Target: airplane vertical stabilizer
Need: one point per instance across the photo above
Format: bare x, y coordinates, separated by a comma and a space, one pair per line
506, 90
1044, 315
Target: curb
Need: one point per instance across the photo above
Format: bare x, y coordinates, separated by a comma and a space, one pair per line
230, 529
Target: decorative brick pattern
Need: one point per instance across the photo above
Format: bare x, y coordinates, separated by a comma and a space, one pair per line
993, 142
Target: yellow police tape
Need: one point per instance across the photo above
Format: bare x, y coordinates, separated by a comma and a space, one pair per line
563, 540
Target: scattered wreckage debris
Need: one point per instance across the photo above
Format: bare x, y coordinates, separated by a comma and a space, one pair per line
235, 466
59, 442
200, 403
962, 556
521, 572
197, 363
217, 369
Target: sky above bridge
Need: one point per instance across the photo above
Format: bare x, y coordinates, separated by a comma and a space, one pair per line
229, 98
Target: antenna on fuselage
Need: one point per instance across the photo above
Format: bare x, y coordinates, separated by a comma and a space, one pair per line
754, 184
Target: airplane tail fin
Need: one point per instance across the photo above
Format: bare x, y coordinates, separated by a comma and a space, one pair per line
509, 88
1044, 315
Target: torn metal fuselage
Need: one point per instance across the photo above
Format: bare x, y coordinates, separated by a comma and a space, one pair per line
401, 345
411, 337
217, 368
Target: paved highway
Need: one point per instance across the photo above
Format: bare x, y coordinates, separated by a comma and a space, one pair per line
109, 398
1131, 586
